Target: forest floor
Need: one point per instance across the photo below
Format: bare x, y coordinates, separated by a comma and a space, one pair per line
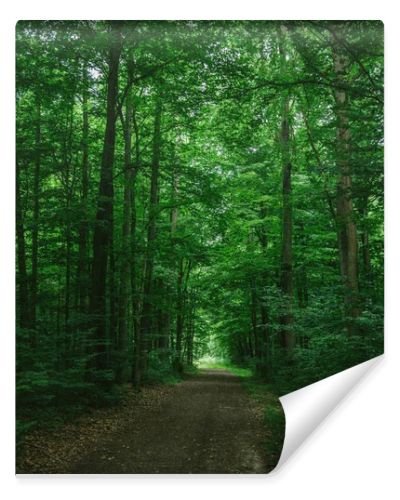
207, 423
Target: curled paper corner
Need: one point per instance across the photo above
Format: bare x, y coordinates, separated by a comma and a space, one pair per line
305, 409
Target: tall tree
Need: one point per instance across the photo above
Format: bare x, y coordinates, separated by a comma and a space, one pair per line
82, 268
125, 277
104, 215
348, 246
287, 333
36, 212
23, 303
143, 342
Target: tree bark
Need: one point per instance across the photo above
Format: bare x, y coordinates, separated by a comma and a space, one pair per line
125, 273
142, 347
256, 340
134, 288
262, 235
68, 341
365, 247
348, 251
190, 331
82, 268
179, 316
36, 213
103, 227
286, 319
23, 291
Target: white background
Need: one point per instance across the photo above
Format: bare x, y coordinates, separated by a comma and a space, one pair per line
355, 453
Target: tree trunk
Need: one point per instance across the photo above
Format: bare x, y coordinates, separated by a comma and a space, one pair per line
262, 235
286, 319
179, 317
68, 344
182, 288
190, 331
103, 227
23, 291
142, 347
134, 288
36, 213
365, 248
113, 300
256, 341
69, 181
82, 268
125, 274
348, 251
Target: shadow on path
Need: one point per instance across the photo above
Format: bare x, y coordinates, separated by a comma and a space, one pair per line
206, 424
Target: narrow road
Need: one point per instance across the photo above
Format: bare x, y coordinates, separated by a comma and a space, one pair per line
206, 424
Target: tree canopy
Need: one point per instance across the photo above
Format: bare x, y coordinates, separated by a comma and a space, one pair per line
193, 188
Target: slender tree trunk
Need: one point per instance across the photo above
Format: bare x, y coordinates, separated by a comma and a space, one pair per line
166, 325
190, 331
256, 341
113, 300
134, 287
286, 319
366, 253
58, 342
165, 340
160, 305
301, 272
348, 250
365, 247
23, 291
263, 296
179, 316
145, 323
103, 227
125, 275
68, 344
69, 181
175, 210
36, 214
182, 288
82, 268
250, 342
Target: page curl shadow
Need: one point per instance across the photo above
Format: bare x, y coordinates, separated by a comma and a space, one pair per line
305, 409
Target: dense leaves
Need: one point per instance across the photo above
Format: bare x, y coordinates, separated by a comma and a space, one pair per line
195, 188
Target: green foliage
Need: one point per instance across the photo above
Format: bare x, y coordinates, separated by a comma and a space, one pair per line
160, 370
47, 399
221, 364
325, 356
212, 261
275, 423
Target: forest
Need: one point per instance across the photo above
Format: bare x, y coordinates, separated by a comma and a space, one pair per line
190, 190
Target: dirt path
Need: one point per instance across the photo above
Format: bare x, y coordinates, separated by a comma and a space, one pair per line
206, 424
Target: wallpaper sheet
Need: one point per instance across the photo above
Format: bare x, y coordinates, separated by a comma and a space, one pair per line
199, 239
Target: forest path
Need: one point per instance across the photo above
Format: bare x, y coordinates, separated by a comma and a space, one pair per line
205, 424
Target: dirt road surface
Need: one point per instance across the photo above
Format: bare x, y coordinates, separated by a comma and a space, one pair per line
203, 425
